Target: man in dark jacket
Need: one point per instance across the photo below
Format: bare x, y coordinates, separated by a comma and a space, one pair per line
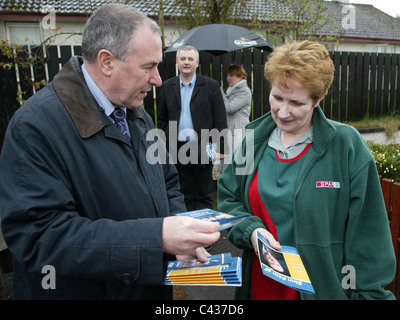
84, 213
191, 111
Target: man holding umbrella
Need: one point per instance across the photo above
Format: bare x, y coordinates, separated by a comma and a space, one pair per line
188, 104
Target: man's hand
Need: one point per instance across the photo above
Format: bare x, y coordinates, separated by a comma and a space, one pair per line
200, 254
186, 236
275, 244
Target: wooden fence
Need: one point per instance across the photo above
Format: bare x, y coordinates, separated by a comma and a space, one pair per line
364, 83
391, 194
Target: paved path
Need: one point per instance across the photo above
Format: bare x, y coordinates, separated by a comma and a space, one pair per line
381, 138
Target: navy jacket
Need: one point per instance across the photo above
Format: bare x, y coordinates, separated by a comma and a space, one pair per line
75, 195
207, 109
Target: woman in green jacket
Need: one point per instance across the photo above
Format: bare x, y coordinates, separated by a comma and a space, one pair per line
311, 183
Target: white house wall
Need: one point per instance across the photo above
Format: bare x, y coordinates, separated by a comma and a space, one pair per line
172, 32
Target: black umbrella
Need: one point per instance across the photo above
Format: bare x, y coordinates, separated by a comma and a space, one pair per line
220, 38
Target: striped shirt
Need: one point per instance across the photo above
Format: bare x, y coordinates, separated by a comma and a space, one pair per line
295, 148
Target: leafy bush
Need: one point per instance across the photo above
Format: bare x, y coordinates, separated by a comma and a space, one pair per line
387, 158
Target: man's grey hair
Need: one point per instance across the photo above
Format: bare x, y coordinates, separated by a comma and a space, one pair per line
187, 48
112, 27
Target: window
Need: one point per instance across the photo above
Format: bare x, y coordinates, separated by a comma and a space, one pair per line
24, 33
380, 48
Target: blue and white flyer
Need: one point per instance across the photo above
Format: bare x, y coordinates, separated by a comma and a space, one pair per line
284, 266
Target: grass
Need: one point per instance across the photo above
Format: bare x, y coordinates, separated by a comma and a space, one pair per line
390, 124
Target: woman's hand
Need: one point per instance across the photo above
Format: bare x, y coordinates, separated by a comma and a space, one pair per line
267, 235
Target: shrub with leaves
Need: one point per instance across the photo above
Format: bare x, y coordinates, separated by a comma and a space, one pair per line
387, 158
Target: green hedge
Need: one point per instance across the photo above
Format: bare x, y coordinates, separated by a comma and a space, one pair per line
387, 158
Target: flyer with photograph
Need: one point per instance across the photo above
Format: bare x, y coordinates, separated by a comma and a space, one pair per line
222, 258
225, 220
284, 266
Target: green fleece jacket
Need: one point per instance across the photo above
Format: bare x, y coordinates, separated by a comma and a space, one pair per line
339, 213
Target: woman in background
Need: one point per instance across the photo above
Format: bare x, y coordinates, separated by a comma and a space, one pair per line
237, 101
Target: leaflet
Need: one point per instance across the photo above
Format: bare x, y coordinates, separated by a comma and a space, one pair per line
284, 266
222, 258
219, 270
225, 220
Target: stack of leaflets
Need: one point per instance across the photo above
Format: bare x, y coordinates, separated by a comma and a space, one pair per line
284, 266
225, 220
219, 270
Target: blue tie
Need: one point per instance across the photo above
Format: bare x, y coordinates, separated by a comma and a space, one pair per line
118, 115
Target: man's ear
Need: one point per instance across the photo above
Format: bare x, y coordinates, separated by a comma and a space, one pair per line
105, 60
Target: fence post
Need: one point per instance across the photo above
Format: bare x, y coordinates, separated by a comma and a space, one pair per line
386, 185
395, 231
